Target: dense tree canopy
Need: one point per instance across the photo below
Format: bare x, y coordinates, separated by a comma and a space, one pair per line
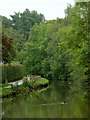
56, 49
6, 22
24, 21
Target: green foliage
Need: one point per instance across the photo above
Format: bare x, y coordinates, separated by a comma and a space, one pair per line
26, 83
6, 22
55, 49
41, 81
19, 28
25, 87
43, 52
4, 85
6, 91
12, 72
24, 21
58, 49
18, 39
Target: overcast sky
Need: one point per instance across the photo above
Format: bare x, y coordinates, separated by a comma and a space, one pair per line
50, 8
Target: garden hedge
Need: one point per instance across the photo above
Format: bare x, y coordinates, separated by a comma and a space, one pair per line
12, 72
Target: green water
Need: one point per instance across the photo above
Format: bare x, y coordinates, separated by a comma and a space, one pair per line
55, 102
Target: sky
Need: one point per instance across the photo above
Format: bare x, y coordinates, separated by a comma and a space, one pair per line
51, 9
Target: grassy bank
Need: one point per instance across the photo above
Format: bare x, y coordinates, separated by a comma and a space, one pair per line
34, 84
39, 82
4, 85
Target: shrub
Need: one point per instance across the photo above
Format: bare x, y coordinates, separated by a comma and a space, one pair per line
12, 72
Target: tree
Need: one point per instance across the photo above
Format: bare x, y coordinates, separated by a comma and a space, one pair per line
8, 52
6, 22
18, 39
24, 21
68, 10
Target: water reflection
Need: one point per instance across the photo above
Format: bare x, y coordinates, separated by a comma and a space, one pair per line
55, 102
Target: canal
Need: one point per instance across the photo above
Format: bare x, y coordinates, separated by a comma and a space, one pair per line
57, 101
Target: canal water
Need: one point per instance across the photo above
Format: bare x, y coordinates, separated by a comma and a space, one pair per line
56, 102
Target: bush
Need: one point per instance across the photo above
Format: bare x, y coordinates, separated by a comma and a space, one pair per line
11, 72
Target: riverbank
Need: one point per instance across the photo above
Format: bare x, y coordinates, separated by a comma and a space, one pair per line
29, 84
